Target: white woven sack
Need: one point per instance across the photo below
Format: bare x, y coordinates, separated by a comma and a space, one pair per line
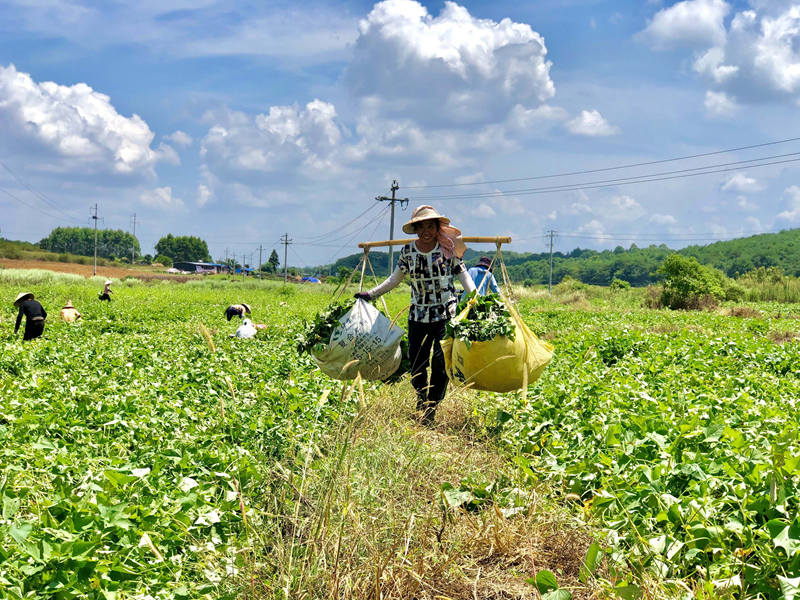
365, 342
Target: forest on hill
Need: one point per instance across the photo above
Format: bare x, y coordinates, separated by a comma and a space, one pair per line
635, 265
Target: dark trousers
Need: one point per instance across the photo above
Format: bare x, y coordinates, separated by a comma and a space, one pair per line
33, 329
106, 297
231, 312
422, 339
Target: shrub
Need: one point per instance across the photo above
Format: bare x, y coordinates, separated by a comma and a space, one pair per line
163, 260
689, 285
619, 284
569, 285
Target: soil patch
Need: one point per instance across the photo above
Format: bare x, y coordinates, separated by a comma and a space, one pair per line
87, 270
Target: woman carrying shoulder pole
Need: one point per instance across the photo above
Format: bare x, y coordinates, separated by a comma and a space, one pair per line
431, 261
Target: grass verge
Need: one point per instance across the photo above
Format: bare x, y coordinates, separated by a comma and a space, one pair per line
369, 518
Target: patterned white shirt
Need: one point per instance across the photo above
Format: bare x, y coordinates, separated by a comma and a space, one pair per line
433, 293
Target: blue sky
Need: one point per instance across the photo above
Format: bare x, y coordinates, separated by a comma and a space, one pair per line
239, 122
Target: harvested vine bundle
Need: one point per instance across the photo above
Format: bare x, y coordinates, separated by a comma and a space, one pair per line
489, 347
486, 318
346, 343
317, 333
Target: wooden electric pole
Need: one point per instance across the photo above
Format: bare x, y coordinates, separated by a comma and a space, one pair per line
402, 202
286, 241
94, 216
550, 282
133, 244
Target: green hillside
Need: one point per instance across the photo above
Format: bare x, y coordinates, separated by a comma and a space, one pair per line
634, 265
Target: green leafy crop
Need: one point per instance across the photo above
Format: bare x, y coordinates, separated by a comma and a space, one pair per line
486, 319
317, 332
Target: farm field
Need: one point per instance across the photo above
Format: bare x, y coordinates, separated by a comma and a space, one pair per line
146, 454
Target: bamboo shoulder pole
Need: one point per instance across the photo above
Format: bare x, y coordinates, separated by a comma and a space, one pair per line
467, 240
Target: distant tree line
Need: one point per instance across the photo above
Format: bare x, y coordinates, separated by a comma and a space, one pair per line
637, 266
111, 243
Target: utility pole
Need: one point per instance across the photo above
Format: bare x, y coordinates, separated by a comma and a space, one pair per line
550, 282
94, 216
286, 241
403, 202
259, 259
133, 246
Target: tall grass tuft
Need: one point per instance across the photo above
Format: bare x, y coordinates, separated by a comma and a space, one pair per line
38, 277
770, 285
209, 340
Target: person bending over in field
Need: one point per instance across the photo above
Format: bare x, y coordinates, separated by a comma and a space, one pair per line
237, 310
35, 316
431, 261
106, 294
69, 313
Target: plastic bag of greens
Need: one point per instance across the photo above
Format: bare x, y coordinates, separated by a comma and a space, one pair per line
359, 340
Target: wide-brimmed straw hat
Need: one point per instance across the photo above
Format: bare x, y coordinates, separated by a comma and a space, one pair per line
22, 297
484, 261
246, 307
109, 282
423, 213
68, 304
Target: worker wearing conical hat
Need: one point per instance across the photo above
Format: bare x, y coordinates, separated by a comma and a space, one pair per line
106, 293
35, 316
432, 262
237, 310
69, 313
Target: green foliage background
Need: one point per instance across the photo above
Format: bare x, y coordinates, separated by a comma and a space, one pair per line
637, 266
183, 248
80, 240
128, 448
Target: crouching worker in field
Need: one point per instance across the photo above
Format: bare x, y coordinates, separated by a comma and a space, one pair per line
237, 310
69, 313
106, 293
431, 261
35, 316
246, 330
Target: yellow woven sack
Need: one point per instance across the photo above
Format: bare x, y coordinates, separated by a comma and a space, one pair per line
501, 364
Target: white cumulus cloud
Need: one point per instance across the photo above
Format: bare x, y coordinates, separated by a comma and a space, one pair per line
161, 198
286, 139
792, 212
76, 126
590, 123
181, 138
485, 211
741, 183
204, 195
447, 69
660, 219
710, 64
720, 104
756, 59
688, 23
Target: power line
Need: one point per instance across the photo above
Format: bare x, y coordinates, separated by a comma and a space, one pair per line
663, 176
31, 206
332, 231
589, 171
36, 193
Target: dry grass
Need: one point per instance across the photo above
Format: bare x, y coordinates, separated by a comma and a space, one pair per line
783, 337
368, 520
744, 311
